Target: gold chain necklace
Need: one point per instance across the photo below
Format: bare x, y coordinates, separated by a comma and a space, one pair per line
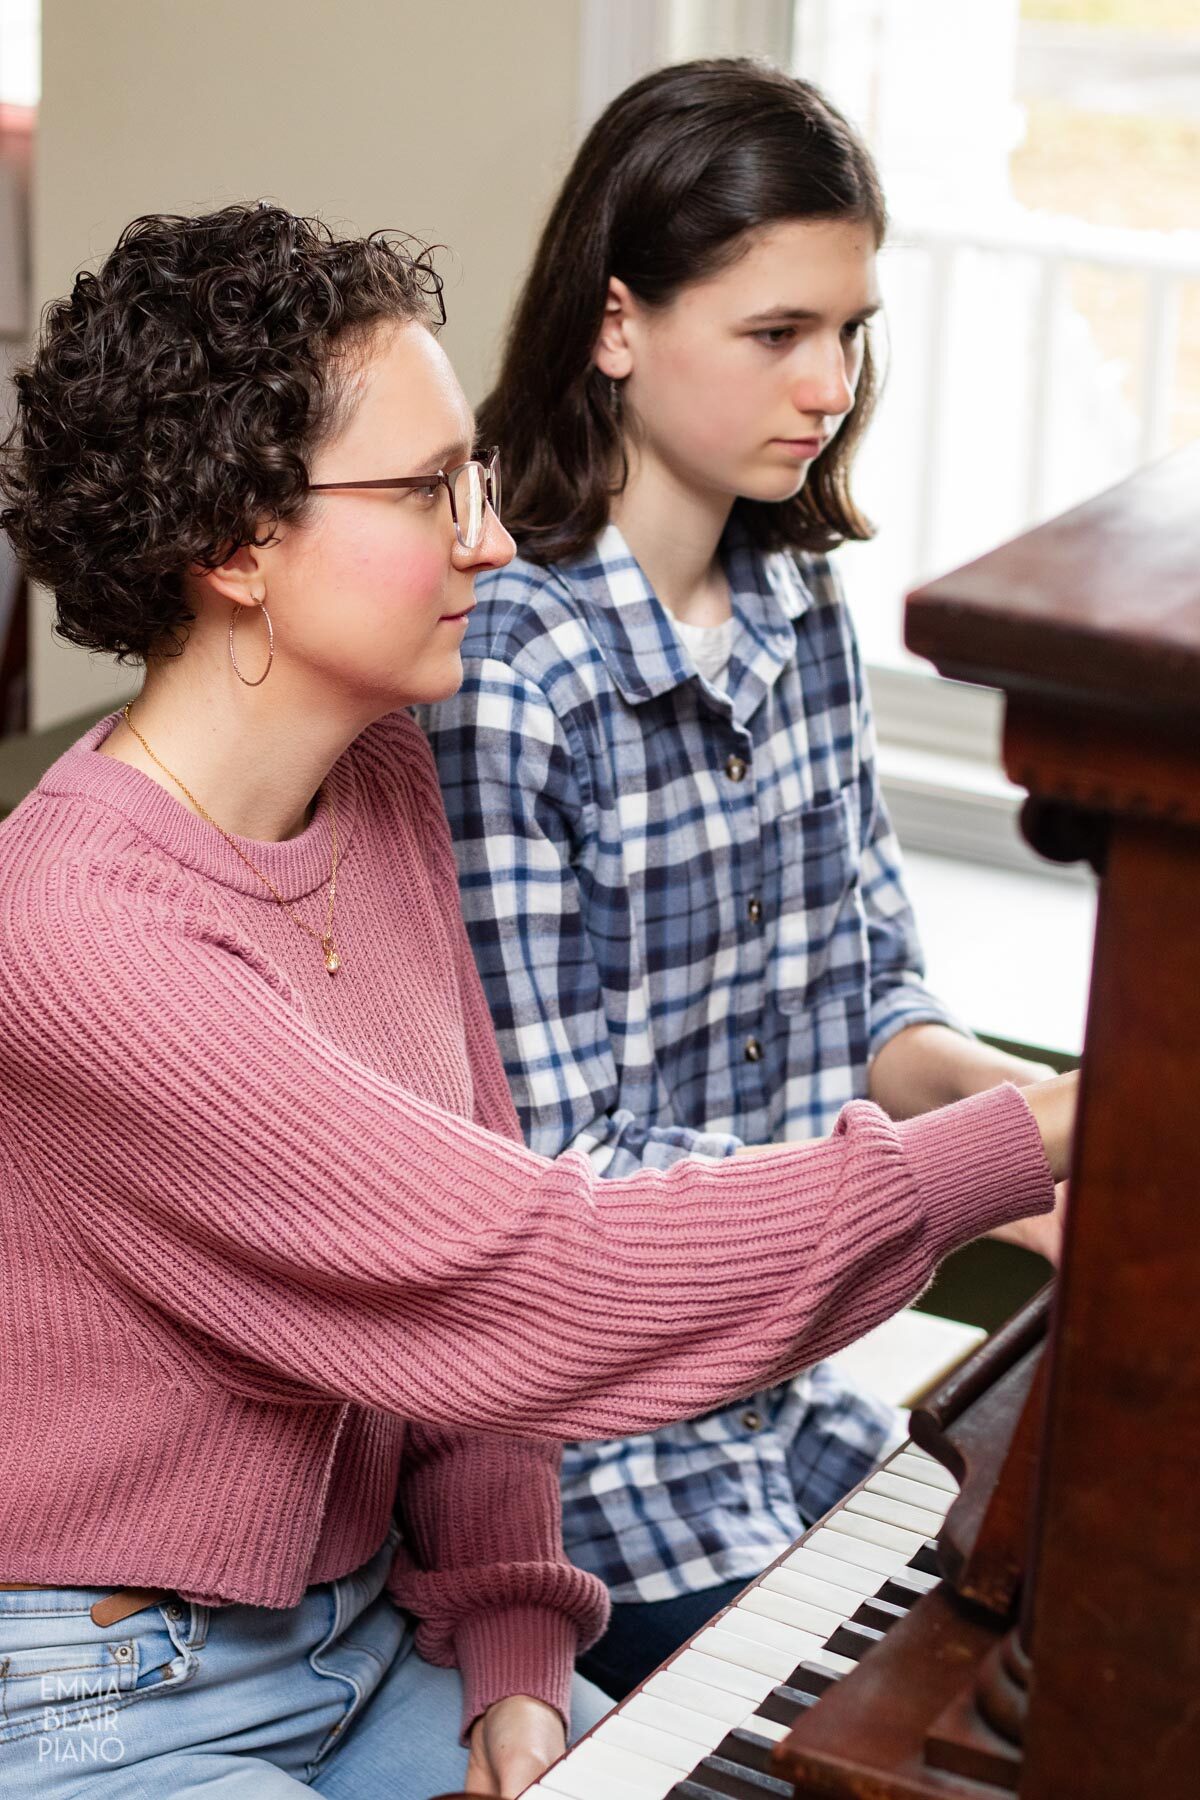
333, 961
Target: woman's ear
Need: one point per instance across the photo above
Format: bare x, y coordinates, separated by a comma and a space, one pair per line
613, 354
241, 579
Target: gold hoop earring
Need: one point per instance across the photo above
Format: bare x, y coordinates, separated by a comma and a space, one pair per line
233, 619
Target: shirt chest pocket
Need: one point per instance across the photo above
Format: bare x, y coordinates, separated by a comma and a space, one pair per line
820, 950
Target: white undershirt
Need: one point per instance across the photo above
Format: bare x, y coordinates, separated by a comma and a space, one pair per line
709, 647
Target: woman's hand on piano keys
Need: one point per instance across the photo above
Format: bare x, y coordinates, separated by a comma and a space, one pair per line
1043, 1233
512, 1743
1052, 1104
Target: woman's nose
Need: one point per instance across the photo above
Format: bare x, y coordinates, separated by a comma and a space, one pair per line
494, 549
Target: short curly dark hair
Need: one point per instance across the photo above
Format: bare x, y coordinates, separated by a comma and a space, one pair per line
174, 400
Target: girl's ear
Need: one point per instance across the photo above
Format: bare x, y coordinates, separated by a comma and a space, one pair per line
613, 354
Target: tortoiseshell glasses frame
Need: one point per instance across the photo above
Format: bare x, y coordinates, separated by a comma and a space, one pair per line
472, 486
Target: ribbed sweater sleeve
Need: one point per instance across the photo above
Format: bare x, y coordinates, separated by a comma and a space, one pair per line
333, 1235
482, 1567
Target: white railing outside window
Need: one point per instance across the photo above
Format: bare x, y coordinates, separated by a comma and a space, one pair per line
1000, 406
999, 409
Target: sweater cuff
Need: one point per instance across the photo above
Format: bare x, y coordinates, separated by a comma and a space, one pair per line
977, 1164
516, 1650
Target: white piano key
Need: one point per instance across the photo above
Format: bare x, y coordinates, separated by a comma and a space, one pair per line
911, 1449
722, 1676
748, 1624
769, 1728
677, 1756
764, 1659
923, 1469
789, 1609
918, 1519
677, 1689
835, 1570
829, 1659
685, 1722
568, 1782
838, 1601
595, 1771
913, 1493
861, 1553
874, 1531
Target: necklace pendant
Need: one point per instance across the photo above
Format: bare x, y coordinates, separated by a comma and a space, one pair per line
333, 961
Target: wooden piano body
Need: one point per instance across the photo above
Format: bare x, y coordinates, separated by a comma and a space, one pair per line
1047, 1644
1091, 627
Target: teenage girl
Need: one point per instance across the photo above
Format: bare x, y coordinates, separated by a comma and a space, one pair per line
679, 877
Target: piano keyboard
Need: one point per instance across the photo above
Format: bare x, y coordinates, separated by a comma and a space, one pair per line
705, 1723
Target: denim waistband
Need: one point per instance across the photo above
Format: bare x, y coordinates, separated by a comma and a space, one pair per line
41, 1602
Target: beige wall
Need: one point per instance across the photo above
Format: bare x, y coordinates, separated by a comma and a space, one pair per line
454, 121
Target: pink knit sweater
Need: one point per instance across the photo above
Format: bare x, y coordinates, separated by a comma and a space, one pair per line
274, 1254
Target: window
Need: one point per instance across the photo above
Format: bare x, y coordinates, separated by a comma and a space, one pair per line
20, 53
1035, 286
1036, 278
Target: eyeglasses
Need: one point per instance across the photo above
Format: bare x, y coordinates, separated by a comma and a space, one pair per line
472, 486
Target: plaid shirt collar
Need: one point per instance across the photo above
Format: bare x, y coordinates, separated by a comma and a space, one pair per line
642, 649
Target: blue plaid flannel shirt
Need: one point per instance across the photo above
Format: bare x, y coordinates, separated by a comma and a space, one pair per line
688, 913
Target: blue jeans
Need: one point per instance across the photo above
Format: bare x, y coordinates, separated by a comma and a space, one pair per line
241, 1702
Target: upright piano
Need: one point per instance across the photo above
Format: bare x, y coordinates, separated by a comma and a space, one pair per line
1012, 1605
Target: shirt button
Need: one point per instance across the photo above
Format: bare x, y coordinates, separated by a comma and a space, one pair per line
735, 768
754, 1050
752, 1420
754, 908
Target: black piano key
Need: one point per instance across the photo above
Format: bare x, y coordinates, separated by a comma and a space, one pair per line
691, 1789
898, 1590
717, 1775
879, 1614
926, 1558
746, 1748
784, 1705
853, 1640
811, 1678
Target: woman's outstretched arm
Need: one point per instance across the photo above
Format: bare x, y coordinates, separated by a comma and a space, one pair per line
189, 1133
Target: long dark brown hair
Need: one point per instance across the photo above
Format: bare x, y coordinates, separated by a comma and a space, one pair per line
664, 187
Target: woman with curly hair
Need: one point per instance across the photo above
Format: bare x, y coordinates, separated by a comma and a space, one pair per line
293, 1316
